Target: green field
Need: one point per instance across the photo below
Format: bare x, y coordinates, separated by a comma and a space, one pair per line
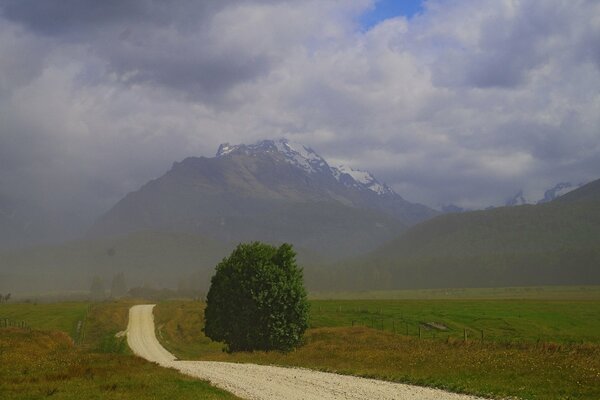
53, 316
43, 361
532, 348
539, 343
562, 321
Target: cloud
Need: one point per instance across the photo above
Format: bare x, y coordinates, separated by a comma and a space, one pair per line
467, 102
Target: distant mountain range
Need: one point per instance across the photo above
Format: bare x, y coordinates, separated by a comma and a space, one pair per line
352, 231
551, 243
275, 191
553, 193
519, 199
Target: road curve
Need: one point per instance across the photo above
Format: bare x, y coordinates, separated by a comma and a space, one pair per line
263, 382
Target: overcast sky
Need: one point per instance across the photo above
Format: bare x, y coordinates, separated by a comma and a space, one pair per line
449, 101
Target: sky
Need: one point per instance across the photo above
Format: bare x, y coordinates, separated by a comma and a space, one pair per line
385, 9
462, 102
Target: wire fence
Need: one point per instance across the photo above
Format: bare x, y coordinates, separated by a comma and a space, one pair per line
7, 323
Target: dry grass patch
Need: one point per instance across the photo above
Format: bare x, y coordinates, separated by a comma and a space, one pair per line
36, 364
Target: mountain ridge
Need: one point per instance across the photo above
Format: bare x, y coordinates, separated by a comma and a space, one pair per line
271, 191
545, 244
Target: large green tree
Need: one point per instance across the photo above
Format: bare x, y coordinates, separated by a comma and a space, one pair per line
257, 299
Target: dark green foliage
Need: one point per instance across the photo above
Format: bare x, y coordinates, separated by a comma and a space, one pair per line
257, 300
112, 344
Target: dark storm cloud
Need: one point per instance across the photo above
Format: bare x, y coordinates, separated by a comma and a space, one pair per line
78, 18
163, 43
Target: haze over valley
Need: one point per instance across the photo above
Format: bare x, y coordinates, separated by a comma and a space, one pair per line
351, 231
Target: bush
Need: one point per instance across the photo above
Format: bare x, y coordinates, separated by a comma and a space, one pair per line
257, 300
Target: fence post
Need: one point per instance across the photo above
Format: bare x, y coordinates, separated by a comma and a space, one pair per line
419, 331
465, 331
406, 323
482, 335
394, 326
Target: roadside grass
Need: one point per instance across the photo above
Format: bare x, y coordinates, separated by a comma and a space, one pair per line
46, 363
523, 368
60, 316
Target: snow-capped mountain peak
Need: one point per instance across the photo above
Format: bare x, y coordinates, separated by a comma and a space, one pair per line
301, 156
309, 161
557, 191
360, 179
294, 153
517, 200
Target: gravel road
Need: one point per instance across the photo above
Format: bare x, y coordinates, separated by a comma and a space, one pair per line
252, 381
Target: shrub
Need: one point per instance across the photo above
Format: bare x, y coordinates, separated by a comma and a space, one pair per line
257, 300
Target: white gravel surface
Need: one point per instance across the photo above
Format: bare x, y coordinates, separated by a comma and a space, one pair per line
253, 381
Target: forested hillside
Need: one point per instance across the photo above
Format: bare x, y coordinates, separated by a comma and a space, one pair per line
553, 243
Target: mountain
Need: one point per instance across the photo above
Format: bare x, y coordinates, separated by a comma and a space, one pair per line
585, 193
546, 244
517, 200
273, 191
452, 208
553, 193
557, 191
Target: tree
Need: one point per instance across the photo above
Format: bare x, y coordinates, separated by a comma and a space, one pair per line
118, 287
97, 291
7, 298
257, 300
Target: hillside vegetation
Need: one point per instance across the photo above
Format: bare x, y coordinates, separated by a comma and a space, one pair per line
548, 244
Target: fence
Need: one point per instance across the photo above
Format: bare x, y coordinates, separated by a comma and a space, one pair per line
420, 329
7, 322
379, 319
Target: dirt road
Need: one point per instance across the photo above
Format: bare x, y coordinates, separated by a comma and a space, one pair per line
252, 381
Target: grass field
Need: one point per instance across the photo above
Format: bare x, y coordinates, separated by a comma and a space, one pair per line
563, 321
564, 364
52, 316
539, 343
499, 293
39, 363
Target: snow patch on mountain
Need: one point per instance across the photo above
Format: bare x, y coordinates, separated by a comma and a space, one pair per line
300, 155
225, 149
557, 191
517, 200
360, 179
309, 161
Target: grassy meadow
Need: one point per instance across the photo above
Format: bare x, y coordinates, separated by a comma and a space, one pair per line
539, 343
532, 348
43, 360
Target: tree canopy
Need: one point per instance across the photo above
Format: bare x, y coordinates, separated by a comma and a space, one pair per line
257, 299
